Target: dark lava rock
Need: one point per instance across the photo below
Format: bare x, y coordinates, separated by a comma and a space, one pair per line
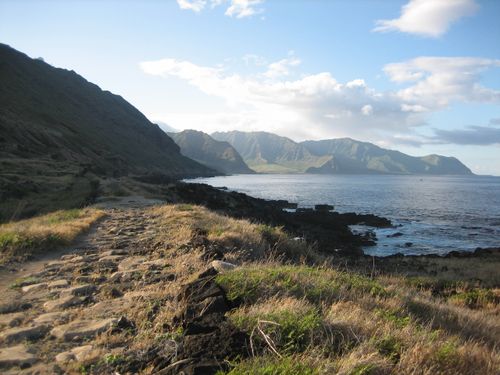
397, 234
209, 340
323, 207
328, 230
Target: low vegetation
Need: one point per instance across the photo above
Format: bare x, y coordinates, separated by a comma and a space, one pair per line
20, 240
302, 312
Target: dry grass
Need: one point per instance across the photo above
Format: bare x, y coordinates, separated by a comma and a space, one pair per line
240, 240
21, 239
307, 314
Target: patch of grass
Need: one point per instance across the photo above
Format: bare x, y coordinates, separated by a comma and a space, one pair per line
21, 239
394, 316
273, 366
314, 284
390, 347
365, 369
290, 324
447, 353
476, 298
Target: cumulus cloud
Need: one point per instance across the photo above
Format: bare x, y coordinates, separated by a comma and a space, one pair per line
434, 82
430, 18
235, 8
318, 106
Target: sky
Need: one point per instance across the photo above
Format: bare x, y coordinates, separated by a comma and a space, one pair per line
419, 76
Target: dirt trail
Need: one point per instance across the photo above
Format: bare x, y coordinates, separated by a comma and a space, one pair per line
52, 290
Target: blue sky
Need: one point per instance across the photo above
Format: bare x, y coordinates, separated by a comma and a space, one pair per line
420, 76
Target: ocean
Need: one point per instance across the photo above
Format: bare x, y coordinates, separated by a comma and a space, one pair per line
431, 214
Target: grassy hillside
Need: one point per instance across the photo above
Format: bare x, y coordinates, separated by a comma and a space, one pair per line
60, 135
217, 155
351, 156
270, 153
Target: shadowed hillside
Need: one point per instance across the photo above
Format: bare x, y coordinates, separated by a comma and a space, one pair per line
59, 134
217, 155
270, 153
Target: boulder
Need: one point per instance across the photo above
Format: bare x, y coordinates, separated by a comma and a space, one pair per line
222, 267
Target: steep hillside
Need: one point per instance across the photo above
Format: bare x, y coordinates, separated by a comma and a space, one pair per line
267, 152
352, 156
59, 134
218, 155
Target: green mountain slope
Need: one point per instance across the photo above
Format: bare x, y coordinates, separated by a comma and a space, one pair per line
59, 134
218, 155
270, 153
266, 152
350, 156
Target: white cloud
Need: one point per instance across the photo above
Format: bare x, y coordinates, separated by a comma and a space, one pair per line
437, 81
236, 8
194, 5
367, 110
243, 8
318, 106
281, 68
430, 18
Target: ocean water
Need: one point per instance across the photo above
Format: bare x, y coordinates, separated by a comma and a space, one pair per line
436, 214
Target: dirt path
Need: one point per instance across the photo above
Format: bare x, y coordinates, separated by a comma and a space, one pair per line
64, 294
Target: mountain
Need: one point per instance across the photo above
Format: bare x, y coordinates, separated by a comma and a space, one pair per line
351, 156
218, 155
60, 134
269, 153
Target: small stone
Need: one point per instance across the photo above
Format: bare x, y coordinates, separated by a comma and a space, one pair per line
62, 303
222, 267
114, 252
11, 320
130, 263
82, 329
16, 356
111, 258
58, 284
51, 318
34, 287
79, 290
23, 333
79, 354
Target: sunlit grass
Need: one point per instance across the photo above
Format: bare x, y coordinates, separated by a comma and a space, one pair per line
21, 239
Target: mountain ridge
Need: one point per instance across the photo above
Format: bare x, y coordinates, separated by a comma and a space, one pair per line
333, 156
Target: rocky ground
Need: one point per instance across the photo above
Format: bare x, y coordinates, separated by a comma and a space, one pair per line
50, 315
137, 294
